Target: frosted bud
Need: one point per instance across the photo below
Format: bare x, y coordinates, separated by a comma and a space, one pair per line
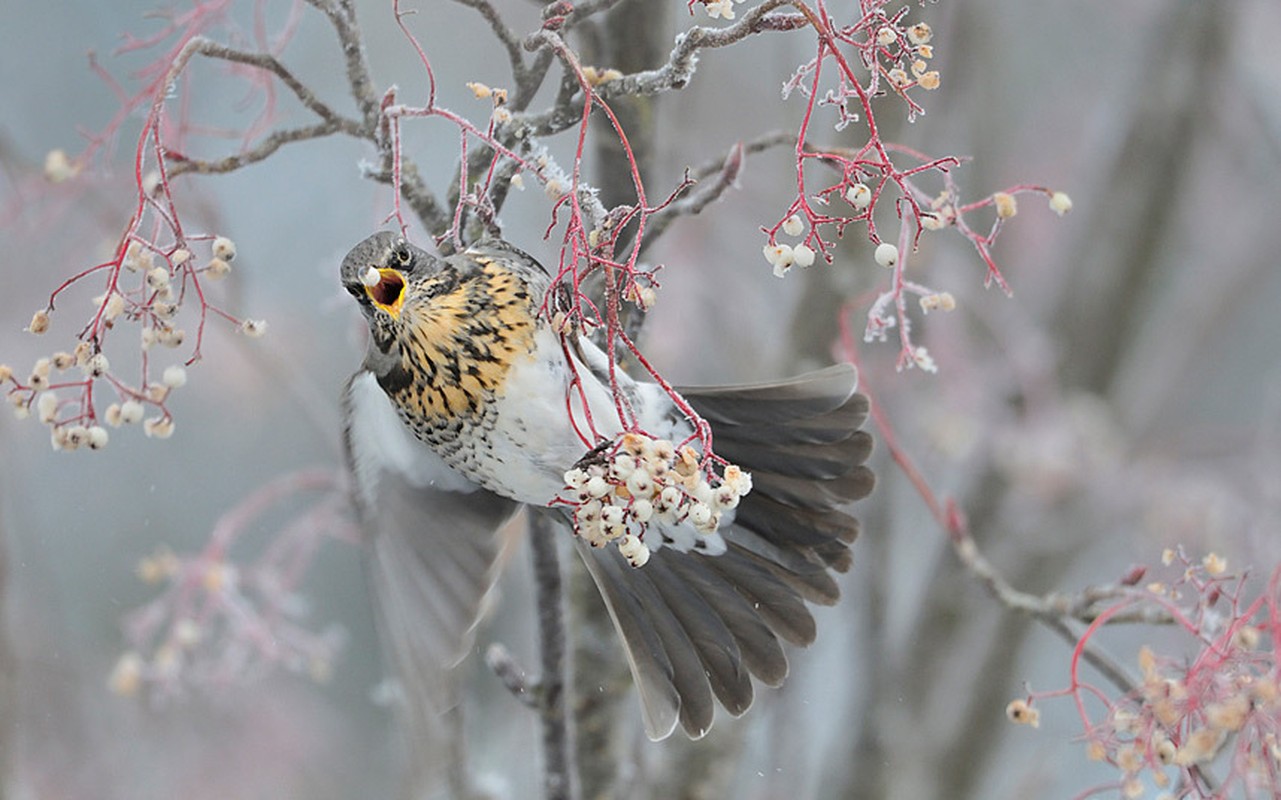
131, 412
224, 249
668, 499
59, 167
96, 366
640, 484
39, 378
943, 301
886, 36
253, 328
112, 415
793, 226
622, 466
886, 255
115, 306
642, 510
77, 436
931, 222
611, 515
596, 486
575, 478
700, 516
726, 497
779, 255
1060, 203
47, 407
739, 480
919, 33
589, 511
133, 260
174, 377
1019, 712
58, 438
803, 255
634, 550
97, 437
922, 358
39, 322
179, 257
217, 269
897, 77
1006, 205
158, 427
158, 278
858, 195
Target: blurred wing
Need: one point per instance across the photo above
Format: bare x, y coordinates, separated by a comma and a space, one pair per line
432, 548
698, 626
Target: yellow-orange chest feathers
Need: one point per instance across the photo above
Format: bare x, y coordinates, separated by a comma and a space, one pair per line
457, 338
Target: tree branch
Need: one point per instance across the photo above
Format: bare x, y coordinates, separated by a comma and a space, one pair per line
270, 144
726, 172
560, 770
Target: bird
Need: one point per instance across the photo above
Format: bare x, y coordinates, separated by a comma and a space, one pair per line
471, 402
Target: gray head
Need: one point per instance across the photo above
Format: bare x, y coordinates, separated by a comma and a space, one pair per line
377, 271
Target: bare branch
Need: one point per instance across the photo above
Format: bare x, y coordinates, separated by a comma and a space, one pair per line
270, 144
342, 15
726, 172
559, 772
270, 63
505, 35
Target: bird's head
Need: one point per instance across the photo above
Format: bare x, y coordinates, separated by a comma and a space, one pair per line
381, 271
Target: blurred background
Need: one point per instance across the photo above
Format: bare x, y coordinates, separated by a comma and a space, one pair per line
1126, 399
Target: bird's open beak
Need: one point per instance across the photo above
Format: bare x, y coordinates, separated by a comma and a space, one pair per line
386, 288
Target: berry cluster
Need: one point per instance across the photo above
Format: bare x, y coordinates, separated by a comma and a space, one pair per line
620, 490
145, 286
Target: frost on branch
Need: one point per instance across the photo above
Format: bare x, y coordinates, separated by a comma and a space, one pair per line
216, 622
1206, 721
147, 287
859, 62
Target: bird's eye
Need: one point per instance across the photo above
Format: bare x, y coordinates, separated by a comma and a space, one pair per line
403, 256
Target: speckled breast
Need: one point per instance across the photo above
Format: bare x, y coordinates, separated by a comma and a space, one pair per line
457, 345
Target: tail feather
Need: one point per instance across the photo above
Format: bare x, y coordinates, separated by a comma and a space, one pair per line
802, 460
777, 402
718, 651
696, 625
759, 647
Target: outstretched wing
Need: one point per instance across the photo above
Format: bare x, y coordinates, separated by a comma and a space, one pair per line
432, 547
698, 626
